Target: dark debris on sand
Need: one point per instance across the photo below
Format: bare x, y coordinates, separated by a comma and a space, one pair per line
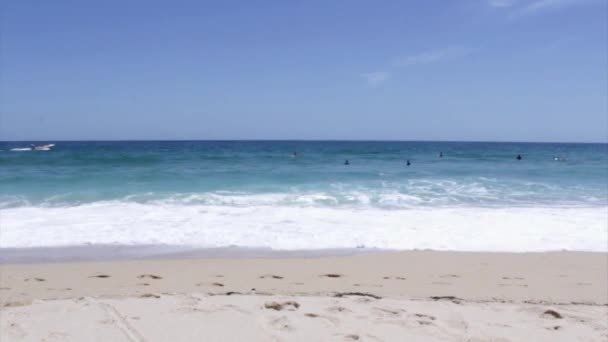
283, 305
552, 314
363, 294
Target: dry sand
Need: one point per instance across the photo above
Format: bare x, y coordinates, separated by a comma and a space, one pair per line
417, 295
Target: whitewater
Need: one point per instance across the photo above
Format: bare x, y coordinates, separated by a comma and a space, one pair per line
477, 197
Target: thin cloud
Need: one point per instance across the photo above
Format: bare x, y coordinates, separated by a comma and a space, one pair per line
433, 56
555, 45
376, 78
518, 8
501, 3
541, 5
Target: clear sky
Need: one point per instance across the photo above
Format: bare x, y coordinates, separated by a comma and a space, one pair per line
516, 70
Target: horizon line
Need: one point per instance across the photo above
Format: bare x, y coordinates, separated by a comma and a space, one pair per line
307, 140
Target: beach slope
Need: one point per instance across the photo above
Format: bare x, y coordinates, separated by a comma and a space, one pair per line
387, 296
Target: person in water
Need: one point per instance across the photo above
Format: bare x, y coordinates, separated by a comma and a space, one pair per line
346, 162
440, 154
408, 163
519, 157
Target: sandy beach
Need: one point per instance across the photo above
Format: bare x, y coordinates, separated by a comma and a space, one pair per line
314, 171
415, 295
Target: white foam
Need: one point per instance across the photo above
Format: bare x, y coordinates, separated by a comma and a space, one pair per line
307, 227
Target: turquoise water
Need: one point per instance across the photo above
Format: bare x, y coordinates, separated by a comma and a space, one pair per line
485, 174
261, 194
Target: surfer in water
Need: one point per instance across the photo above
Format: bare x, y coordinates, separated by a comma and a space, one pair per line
346, 162
440, 154
408, 163
519, 157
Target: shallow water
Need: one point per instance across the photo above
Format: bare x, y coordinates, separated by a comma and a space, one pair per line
259, 194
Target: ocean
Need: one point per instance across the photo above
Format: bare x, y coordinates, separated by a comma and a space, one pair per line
300, 195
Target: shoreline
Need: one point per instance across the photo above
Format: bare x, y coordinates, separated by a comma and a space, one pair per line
106, 252
119, 252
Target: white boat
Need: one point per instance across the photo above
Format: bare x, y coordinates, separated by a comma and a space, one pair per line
33, 147
44, 147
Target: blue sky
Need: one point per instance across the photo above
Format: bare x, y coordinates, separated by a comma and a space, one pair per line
500, 70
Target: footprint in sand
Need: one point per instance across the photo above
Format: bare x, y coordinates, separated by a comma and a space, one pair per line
232, 293
385, 312
452, 299
337, 309
278, 306
281, 323
16, 303
361, 294
368, 285
36, 279
270, 276
331, 320
354, 337
331, 275
552, 314
151, 276
149, 295
423, 316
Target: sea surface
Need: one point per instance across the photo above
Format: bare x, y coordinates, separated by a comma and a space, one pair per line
299, 195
